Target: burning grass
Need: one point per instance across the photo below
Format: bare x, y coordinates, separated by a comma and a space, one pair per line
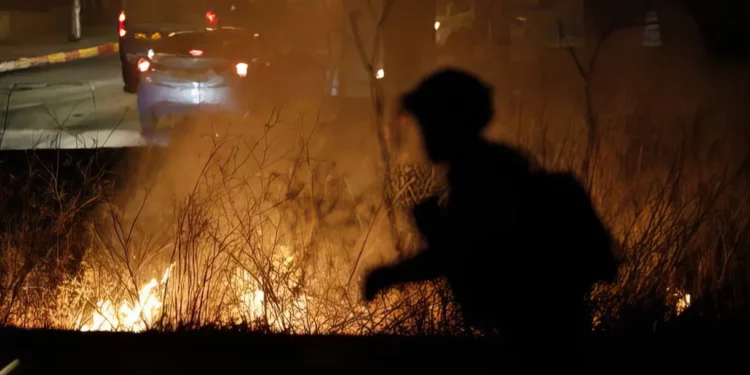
235, 230
259, 230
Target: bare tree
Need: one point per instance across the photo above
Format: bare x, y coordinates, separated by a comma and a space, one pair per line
608, 19
377, 94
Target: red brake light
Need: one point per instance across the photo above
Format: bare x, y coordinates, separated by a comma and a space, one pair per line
143, 65
196, 52
211, 17
121, 24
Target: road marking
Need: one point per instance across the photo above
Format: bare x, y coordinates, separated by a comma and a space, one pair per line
89, 52
27, 62
56, 57
22, 64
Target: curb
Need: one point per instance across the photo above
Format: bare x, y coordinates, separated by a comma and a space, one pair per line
60, 57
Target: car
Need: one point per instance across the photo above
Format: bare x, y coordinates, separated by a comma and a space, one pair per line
141, 24
214, 70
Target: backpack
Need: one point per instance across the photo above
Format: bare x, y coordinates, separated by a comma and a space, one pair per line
569, 232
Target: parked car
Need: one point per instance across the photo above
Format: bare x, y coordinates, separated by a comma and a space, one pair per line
215, 70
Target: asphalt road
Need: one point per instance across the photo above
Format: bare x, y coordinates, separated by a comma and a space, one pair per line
79, 104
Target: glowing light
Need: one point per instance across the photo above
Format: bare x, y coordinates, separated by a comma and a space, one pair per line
195, 93
211, 17
437, 25
241, 69
196, 52
150, 54
521, 18
121, 24
144, 65
380, 74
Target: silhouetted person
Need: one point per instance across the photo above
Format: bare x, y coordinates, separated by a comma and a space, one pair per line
519, 247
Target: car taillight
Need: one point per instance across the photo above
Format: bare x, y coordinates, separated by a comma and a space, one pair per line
196, 52
144, 65
241, 69
121, 24
211, 17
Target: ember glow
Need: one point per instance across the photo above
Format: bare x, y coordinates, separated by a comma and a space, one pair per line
681, 301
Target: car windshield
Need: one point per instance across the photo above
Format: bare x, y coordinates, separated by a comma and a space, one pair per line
191, 12
225, 43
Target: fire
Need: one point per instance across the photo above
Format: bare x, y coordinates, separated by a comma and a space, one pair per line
134, 317
682, 301
678, 300
283, 311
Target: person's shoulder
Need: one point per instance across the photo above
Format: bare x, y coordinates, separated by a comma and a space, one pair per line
562, 180
564, 187
507, 156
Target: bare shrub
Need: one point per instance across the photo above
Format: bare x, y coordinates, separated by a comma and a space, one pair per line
46, 198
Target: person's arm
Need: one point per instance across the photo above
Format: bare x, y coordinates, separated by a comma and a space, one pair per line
426, 265
422, 267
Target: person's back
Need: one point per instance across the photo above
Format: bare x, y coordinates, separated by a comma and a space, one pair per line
527, 246
575, 245
486, 185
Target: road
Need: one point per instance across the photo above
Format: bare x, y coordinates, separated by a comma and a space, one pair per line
79, 104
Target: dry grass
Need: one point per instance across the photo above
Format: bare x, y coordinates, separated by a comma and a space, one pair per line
262, 235
259, 228
255, 232
674, 197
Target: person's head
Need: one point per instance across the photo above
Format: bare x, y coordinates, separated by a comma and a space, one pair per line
452, 107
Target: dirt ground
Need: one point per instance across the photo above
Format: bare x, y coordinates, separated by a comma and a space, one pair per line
48, 352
